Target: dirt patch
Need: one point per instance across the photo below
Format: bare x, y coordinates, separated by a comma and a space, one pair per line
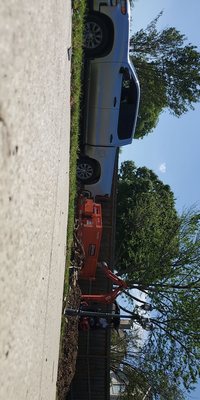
68, 353
69, 335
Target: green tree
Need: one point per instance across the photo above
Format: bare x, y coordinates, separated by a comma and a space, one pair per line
174, 330
169, 73
147, 224
137, 382
136, 374
170, 357
159, 255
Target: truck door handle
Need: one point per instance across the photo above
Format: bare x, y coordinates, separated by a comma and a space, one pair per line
115, 101
111, 138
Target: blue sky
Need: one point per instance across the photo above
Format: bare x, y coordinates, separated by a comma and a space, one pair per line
172, 149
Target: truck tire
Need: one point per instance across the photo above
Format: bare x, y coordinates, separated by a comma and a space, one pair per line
88, 170
96, 36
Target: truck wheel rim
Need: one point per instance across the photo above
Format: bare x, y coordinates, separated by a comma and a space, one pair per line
93, 35
84, 171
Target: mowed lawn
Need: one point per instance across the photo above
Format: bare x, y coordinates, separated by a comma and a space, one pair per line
79, 9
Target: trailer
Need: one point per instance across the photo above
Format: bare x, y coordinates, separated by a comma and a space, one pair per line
89, 234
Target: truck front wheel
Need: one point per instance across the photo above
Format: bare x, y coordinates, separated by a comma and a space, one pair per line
88, 170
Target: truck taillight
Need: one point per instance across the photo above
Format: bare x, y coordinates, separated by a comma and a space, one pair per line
123, 6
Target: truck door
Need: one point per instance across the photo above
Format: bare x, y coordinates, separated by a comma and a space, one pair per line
103, 103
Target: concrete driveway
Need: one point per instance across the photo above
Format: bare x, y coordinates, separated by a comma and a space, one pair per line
34, 171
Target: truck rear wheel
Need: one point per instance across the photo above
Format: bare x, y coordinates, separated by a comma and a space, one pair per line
96, 35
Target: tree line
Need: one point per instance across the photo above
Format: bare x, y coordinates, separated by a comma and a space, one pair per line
158, 254
158, 250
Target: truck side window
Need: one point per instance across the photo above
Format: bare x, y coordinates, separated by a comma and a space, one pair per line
128, 103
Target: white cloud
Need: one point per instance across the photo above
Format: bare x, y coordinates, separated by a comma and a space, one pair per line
162, 168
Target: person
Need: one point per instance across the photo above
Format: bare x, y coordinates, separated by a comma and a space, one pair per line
116, 320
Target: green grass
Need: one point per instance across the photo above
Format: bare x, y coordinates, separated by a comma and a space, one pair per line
79, 8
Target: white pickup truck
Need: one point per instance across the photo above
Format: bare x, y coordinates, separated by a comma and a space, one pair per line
113, 94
